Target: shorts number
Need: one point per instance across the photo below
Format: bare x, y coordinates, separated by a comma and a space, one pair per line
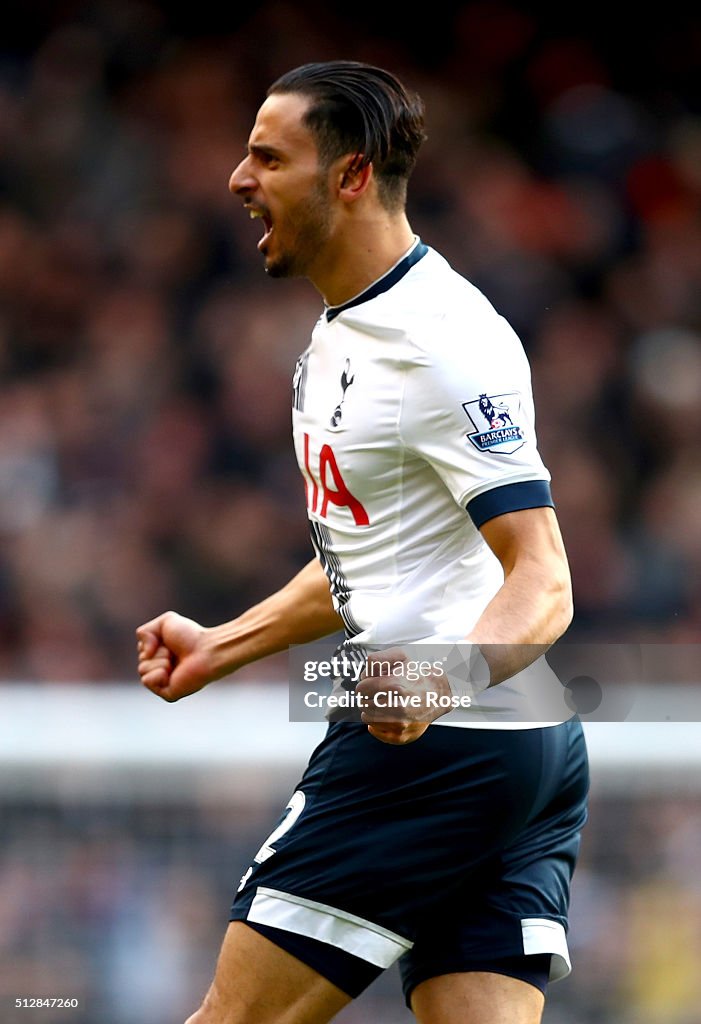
295, 808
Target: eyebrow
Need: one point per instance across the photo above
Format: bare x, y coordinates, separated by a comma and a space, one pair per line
256, 149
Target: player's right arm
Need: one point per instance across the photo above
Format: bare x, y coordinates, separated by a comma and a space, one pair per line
178, 656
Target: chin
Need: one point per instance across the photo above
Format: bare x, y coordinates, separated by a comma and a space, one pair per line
276, 269
282, 266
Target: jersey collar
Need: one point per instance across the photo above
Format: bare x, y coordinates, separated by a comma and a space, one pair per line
384, 283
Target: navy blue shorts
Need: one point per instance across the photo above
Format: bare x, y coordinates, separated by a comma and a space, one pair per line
452, 853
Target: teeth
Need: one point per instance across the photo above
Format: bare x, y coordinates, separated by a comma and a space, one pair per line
255, 213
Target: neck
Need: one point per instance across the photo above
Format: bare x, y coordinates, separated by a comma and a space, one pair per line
358, 257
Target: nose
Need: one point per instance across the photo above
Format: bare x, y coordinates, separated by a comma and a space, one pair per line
241, 180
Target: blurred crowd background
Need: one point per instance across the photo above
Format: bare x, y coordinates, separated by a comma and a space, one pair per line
145, 453
145, 359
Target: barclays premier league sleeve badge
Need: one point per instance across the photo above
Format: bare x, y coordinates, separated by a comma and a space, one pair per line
496, 422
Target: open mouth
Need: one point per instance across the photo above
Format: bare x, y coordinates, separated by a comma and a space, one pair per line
255, 213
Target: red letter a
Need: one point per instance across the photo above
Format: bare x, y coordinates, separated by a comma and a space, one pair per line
341, 496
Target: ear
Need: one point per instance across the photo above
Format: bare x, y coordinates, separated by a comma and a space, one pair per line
354, 177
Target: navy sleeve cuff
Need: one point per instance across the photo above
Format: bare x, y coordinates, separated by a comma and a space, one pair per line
509, 498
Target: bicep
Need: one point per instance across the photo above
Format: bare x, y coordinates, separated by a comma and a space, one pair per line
527, 536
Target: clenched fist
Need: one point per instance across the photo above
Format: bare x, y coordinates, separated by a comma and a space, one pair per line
173, 662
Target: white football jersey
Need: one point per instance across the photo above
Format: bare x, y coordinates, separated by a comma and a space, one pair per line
413, 425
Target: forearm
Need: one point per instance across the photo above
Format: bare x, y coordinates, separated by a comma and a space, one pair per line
300, 612
524, 618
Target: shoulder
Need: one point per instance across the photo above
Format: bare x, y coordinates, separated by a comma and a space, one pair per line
432, 315
435, 289
448, 320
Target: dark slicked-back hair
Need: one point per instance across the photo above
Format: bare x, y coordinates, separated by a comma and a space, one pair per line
360, 109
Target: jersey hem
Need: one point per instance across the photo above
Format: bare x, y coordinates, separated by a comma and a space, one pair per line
500, 725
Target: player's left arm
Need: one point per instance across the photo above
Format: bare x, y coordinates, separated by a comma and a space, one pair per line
533, 607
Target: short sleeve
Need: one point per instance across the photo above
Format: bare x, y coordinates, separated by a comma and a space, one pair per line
467, 409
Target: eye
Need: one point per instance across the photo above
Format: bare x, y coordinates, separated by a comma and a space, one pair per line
267, 159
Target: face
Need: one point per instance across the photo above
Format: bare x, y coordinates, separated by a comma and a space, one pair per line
281, 182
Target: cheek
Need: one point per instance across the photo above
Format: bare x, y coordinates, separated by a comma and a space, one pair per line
299, 220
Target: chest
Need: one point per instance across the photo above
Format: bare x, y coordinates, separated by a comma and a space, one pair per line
346, 406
